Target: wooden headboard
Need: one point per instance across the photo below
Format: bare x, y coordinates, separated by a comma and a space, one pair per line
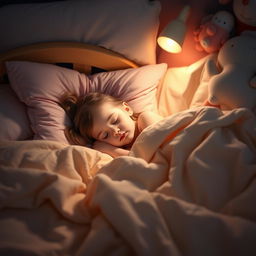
82, 56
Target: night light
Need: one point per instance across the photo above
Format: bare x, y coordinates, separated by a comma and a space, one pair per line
172, 37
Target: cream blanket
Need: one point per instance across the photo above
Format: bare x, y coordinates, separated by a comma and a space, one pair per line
188, 188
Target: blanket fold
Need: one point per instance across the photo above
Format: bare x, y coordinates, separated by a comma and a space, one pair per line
187, 188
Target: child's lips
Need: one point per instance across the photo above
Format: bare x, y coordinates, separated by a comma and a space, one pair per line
123, 136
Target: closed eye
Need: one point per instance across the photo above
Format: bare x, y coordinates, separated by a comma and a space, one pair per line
115, 120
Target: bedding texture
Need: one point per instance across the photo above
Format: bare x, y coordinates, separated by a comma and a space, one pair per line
127, 27
13, 116
184, 87
40, 87
187, 188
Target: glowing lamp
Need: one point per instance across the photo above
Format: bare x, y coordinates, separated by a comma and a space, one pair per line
172, 37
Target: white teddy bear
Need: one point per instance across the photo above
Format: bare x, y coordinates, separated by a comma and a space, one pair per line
233, 77
245, 12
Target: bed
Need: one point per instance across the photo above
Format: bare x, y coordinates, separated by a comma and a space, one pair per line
186, 188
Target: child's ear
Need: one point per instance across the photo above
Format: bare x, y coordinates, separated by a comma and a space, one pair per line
127, 108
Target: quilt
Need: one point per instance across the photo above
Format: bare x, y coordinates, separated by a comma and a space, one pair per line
187, 188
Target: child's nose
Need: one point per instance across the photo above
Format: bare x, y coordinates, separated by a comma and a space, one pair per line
116, 131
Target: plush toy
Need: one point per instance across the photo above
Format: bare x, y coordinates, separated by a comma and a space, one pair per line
245, 13
214, 31
233, 79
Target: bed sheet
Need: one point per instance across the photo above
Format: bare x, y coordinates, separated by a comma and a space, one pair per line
187, 188
184, 87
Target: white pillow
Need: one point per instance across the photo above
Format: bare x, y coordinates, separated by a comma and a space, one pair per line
128, 27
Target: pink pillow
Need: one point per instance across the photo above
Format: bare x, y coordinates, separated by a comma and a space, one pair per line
14, 122
40, 87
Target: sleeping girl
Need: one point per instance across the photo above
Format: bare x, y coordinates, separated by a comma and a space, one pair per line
105, 122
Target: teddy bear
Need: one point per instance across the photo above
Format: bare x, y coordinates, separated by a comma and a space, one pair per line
245, 13
233, 78
213, 31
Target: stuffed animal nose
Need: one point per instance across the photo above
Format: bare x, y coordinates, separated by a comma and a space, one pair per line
246, 2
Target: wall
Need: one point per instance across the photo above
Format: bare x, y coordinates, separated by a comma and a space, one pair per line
170, 10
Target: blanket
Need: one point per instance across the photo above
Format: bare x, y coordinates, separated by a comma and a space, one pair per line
187, 188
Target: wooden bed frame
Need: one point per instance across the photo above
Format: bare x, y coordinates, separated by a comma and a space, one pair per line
82, 56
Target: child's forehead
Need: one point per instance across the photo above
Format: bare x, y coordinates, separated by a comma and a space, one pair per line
102, 114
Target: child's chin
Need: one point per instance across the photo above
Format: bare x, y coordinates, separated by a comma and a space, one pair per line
128, 141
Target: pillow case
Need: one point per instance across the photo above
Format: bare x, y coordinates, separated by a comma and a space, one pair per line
127, 27
13, 116
40, 87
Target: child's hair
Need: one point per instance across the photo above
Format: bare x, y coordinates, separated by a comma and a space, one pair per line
81, 110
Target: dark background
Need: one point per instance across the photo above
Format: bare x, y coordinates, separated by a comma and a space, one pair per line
5, 2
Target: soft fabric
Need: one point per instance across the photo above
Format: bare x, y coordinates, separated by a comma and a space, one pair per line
188, 188
127, 27
40, 87
183, 88
233, 82
201, 93
14, 122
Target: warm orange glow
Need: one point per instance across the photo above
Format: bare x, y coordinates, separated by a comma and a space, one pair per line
169, 44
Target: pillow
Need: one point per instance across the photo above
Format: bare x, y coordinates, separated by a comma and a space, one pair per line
40, 87
13, 117
127, 27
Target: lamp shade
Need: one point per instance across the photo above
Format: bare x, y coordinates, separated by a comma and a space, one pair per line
172, 37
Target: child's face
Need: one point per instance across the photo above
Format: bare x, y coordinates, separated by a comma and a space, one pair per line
113, 124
